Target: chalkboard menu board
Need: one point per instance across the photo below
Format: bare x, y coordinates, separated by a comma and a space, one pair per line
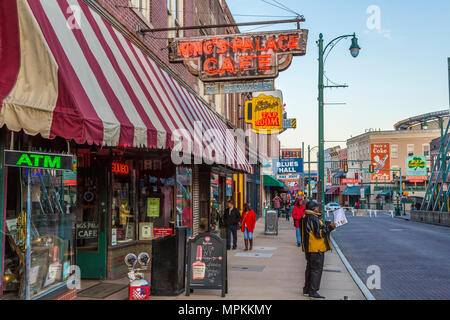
207, 263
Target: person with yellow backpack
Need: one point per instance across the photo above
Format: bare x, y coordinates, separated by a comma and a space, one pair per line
315, 242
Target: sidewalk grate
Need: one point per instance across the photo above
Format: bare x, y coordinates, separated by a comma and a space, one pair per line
247, 268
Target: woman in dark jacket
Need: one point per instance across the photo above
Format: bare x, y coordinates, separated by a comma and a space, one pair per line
297, 214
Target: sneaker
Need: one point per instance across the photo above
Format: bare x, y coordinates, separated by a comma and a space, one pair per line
234, 248
316, 296
305, 292
299, 244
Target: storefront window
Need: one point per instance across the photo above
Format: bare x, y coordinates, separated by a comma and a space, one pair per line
51, 247
183, 198
216, 209
123, 219
156, 181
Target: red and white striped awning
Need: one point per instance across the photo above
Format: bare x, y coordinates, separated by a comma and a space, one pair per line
67, 72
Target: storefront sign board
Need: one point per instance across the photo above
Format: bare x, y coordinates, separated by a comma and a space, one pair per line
211, 88
239, 56
41, 160
265, 112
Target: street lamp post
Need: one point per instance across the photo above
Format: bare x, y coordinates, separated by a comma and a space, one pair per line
309, 170
354, 51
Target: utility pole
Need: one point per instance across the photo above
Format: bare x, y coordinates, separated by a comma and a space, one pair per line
321, 171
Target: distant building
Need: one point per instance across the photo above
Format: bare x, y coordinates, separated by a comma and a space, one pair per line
411, 137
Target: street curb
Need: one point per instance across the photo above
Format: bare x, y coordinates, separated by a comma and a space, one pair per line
352, 272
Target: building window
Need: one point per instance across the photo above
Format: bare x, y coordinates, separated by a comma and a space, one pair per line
426, 150
394, 151
142, 6
410, 150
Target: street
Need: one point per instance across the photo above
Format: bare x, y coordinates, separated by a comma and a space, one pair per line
414, 258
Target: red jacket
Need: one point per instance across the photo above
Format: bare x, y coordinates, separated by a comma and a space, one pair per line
297, 213
248, 219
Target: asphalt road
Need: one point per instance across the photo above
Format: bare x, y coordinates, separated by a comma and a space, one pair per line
414, 258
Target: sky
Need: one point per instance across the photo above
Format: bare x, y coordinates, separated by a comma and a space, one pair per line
401, 70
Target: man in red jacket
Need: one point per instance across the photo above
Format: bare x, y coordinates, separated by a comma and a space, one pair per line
297, 214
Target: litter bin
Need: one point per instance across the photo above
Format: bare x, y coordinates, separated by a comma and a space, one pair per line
271, 222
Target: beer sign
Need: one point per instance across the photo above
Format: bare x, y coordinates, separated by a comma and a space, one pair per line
265, 112
239, 56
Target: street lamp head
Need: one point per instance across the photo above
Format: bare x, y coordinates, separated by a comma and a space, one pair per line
354, 48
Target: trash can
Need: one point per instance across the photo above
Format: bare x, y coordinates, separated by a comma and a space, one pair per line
271, 223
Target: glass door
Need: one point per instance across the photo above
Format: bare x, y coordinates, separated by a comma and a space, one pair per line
91, 214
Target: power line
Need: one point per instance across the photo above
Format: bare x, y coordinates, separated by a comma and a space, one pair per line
287, 8
282, 7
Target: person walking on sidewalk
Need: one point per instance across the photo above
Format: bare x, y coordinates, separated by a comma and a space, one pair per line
277, 203
315, 242
287, 209
248, 222
231, 219
297, 214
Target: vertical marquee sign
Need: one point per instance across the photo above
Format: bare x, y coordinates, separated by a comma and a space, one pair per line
239, 56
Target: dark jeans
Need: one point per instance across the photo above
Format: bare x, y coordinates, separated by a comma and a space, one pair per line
313, 272
232, 230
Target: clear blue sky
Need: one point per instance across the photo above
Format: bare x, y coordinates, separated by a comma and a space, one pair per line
401, 70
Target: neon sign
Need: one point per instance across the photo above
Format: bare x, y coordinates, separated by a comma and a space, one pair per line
38, 160
243, 56
265, 112
120, 168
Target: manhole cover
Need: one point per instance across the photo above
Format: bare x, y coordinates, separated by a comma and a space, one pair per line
253, 255
264, 248
247, 268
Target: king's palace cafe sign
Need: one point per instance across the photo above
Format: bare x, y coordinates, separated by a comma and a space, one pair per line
239, 56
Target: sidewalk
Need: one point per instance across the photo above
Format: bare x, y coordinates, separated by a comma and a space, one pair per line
273, 270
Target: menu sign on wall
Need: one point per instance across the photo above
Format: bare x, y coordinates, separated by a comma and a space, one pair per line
239, 56
380, 159
207, 263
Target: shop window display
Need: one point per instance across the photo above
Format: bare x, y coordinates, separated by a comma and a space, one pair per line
183, 198
51, 248
123, 218
156, 182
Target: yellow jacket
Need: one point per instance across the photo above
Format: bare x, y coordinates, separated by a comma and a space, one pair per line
315, 234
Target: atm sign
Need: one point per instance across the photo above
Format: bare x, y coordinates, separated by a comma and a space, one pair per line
38, 160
